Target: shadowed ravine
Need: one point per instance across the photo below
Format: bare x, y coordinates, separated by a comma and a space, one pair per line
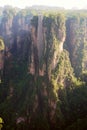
43, 69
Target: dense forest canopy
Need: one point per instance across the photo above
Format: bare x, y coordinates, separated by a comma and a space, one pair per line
43, 68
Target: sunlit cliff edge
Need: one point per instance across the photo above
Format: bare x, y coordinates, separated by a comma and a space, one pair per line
43, 73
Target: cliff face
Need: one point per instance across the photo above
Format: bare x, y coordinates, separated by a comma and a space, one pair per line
46, 49
2, 49
76, 29
19, 36
37, 73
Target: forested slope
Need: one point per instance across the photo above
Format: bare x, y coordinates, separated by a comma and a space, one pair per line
43, 69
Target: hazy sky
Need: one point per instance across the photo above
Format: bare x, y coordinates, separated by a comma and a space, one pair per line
60, 3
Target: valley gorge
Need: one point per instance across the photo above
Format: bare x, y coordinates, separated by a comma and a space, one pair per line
43, 69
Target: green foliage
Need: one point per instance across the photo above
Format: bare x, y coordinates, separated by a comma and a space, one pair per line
56, 100
61, 70
2, 46
80, 124
34, 21
75, 40
54, 24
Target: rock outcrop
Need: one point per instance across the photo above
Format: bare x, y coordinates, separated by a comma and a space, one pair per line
76, 32
40, 54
